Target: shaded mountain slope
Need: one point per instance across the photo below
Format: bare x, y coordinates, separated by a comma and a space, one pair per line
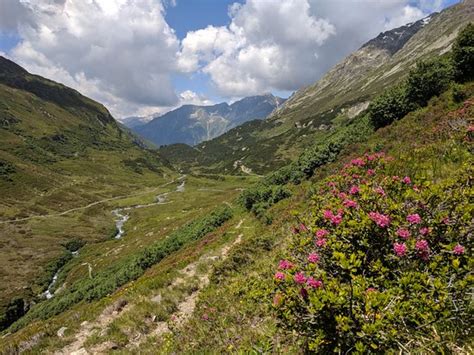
191, 124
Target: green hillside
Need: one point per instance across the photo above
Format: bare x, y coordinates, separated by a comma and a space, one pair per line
358, 239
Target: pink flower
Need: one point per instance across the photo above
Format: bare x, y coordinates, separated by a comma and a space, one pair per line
313, 258
425, 231
331, 184
403, 233
279, 276
295, 230
321, 233
370, 172
328, 214
381, 220
350, 204
400, 249
320, 242
277, 299
358, 162
406, 180
370, 289
354, 190
396, 178
285, 265
355, 176
314, 283
300, 278
380, 191
205, 316
414, 218
446, 220
458, 249
422, 245
337, 219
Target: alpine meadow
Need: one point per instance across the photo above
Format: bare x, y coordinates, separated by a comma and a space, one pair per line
251, 176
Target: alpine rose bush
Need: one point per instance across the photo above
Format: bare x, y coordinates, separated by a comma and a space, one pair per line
371, 272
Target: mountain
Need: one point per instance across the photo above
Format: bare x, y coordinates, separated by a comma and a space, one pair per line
192, 124
134, 121
317, 111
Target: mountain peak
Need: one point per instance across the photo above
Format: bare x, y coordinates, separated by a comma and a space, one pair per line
394, 39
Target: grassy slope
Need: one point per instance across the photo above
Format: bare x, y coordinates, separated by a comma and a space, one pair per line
236, 306
427, 144
60, 150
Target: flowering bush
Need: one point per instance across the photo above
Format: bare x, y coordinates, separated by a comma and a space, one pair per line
368, 271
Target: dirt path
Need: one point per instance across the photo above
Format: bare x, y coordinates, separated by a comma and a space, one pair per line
185, 308
188, 305
58, 214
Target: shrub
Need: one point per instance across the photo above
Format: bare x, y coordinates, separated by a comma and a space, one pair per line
390, 106
429, 78
378, 261
463, 54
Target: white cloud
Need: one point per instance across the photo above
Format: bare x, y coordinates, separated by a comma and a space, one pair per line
121, 51
261, 49
284, 45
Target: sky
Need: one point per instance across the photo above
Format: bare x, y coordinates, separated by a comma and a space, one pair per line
144, 57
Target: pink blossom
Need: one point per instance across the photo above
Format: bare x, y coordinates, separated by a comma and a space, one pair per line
400, 249
285, 264
380, 191
331, 184
205, 316
358, 162
396, 178
311, 282
321, 233
295, 230
370, 172
381, 220
321, 242
458, 249
406, 180
414, 218
279, 276
355, 176
337, 219
403, 233
277, 299
370, 289
328, 214
354, 190
313, 258
300, 278
416, 188
350, 204
422, 245
446, 220
425, 231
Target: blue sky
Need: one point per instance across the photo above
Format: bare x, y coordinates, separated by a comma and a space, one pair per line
138, 60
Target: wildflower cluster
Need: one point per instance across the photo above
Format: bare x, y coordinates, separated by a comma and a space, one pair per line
375, 259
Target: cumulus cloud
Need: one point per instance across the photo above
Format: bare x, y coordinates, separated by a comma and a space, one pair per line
284, 45
264, 47
121, 51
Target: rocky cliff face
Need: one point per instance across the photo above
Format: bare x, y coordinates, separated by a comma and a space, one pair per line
193, 124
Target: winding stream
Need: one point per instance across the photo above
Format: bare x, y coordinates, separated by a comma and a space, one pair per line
161, 199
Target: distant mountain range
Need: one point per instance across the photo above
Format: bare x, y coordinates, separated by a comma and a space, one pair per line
192, 124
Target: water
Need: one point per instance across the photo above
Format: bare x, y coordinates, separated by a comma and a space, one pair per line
48, 294
121, 219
